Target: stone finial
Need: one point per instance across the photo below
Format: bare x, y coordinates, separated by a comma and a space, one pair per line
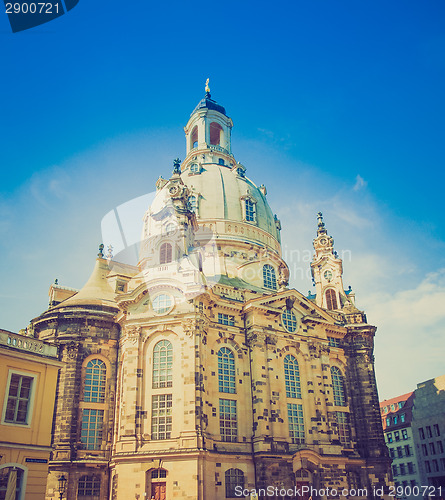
321, 227
101, 251
177, 166
207, 88
56, 281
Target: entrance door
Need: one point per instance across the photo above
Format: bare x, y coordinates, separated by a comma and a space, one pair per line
158, 491
299, 485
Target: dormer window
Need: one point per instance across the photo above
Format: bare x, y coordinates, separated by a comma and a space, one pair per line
240, 172
195, 168
193, 203
250, 210
221, 161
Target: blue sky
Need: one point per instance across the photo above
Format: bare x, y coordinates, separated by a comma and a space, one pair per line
337, 106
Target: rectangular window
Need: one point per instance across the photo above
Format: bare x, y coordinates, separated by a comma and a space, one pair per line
296, 423
392, 452
91, 430
396, 435
402, 417
442, 463
19, 399
333, 342
402, 469
225, 319
344, 430
428, 431
439, 447
411, 468
389, 435
228, 426
399, 452
394, 470
408, 450
401, 404
404, 434
161, 416
421, 433
432, 449
424, 450
388, 421
427, 466
436, 430
435, 466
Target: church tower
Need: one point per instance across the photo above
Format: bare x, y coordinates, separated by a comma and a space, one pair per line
219, 378
327, 272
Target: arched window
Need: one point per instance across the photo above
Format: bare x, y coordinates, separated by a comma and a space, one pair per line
289, 320
338, 387
165, 253
88, 488
292, 377
234, 478
195, 168
194, 138
331, 299
250, 210
192, 202
269, 277
11, 477
95, 380
162, 364
170, 228
226, 370
215, 133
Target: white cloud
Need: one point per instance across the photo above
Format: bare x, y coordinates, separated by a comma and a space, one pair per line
410, 340
360, 183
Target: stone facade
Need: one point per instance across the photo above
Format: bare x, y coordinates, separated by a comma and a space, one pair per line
219, 378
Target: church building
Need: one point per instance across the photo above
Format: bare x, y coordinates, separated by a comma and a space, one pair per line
197, 373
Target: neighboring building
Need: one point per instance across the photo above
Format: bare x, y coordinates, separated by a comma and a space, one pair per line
28, 379
429, 432
397, 414
198, 372
414, 427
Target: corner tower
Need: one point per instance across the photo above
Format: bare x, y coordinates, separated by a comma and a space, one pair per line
327, 272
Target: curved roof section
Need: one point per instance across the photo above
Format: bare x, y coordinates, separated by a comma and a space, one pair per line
209, 103
95, 292
221, 193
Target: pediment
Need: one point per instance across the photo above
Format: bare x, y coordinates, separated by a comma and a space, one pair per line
274, 304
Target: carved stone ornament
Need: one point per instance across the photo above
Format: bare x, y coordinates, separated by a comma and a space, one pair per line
72, 349
133, 333
255, 339
191, 325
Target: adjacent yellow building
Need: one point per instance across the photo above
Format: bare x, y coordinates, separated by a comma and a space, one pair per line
28, 380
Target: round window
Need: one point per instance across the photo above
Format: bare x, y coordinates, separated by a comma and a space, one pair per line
289, 320
162, 303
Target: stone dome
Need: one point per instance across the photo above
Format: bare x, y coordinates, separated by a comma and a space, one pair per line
220, 193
